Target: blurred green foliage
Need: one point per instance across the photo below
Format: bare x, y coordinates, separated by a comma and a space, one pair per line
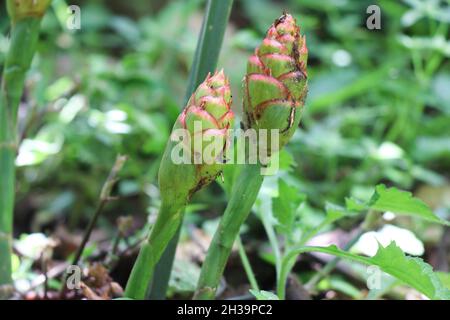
378, 110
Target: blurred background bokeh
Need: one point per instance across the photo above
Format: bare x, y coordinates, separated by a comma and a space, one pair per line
378, 111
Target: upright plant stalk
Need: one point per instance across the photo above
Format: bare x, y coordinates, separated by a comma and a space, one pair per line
247, 266
209, 42
275, 89
205, 61
25, 18
205, 122
245, 190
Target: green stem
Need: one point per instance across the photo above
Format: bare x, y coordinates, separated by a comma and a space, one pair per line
209, 43
7, 172
24, 37
265, 213
247, 266
160, 282
167, 223
292, 254
205, 60
368, 223
245, 191
333, 263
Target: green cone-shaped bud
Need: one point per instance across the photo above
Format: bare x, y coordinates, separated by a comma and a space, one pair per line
20, 9
207, 116
275, 86
204, 124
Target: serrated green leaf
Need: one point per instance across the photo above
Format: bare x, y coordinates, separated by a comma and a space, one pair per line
402, 202
286, 204
263, 295
412, 271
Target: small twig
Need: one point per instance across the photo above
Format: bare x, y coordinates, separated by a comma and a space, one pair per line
105, 197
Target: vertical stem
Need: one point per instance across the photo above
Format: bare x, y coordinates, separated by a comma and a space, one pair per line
205, 60
7, 172
245, 191
266, 219
163, 269
209, 42
246, 264
167, 224
24, 37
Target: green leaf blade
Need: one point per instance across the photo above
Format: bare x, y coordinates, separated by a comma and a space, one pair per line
286, 204
402, 202
411, 271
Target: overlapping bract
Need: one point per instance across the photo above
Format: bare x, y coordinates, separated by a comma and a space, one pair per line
207, 119
208, 114
275, 86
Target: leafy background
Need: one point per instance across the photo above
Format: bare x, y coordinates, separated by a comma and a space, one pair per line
378, 112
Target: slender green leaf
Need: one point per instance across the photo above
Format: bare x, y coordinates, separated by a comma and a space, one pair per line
210, 42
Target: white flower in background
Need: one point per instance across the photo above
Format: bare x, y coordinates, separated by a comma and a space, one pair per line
405, 239
33, 245
341, 58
